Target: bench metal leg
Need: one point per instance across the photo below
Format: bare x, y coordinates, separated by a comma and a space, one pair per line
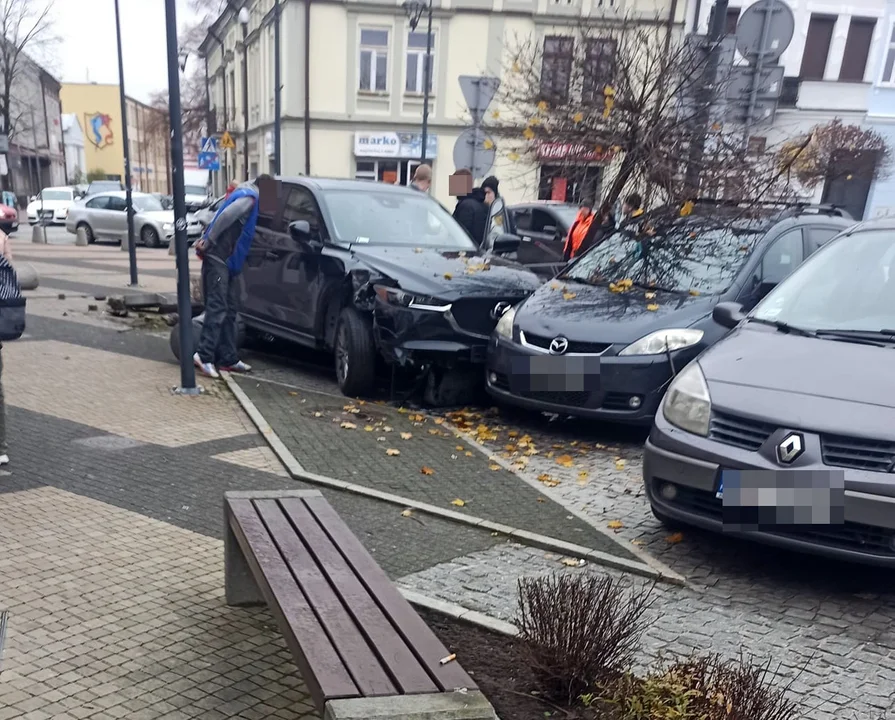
240, 587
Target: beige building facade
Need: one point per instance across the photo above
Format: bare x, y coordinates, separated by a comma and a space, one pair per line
363, 114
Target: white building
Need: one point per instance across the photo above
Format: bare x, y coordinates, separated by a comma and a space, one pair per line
361, 112
73, 140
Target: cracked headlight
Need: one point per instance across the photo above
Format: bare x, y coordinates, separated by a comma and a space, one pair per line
505, 324
396, 296
687, 403
662, 341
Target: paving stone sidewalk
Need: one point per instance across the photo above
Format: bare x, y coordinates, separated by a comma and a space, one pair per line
412, 455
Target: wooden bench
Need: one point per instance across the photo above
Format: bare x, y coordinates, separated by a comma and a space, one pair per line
362, 650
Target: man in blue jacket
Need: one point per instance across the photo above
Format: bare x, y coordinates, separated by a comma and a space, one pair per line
223, 248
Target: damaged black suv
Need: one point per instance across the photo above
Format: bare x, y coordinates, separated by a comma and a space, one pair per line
367, 269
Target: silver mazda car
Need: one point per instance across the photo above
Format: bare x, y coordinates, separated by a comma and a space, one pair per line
784, 431
104, 216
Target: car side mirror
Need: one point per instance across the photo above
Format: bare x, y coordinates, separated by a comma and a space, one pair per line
728, 314
300, 230
506, 243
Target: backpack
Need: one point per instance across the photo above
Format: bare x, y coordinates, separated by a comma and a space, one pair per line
12, 304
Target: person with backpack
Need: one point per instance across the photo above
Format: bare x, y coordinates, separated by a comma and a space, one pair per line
223, 248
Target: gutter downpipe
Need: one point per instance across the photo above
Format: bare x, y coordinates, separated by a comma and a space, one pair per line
307, 87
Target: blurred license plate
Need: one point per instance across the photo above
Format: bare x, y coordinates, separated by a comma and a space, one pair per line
543, 373
770, 498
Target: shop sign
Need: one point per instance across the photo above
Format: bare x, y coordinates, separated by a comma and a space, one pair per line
572, 151
394, 145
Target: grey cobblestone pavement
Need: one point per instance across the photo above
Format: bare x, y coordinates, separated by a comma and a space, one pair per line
410, 454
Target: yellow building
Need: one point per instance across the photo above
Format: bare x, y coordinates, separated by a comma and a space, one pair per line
98, 110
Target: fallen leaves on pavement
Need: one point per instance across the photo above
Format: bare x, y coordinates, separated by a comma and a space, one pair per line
458, 502
406, 435
565, 460
427, 470
573, 562
619, 464
348, 426
674, 538
392, 452
407, 513
615, 524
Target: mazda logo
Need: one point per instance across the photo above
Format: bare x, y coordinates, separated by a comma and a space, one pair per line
790, 448
498, 310
558, 346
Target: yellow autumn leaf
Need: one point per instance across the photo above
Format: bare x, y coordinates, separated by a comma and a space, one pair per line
468, 453
392, 452
652, 307
638, 542
318, 414
406, 436
368, 428
674, 538
513, 157
448, 276
528, 133
493, 466
488, 144
615, 524
619, 464
458, 502
427, 470
542, 106
439, 421
565, 460
293, 393
687, 208
495, 114
649, 295
572, 562
386, 428
569, 296
694, 293
407, 513
582, 474
348, 426
577, 117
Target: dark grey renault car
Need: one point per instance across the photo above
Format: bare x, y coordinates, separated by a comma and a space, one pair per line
784, 431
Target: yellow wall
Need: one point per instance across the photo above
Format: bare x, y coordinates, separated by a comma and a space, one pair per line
85, 100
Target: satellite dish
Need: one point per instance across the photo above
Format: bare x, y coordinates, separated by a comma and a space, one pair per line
753, 40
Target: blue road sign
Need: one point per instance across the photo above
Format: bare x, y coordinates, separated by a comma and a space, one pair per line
209, 145
209, 161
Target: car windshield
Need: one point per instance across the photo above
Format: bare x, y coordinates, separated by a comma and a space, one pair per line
194, 190
847, 285
390, 218
682, 258
147, 203
55, 195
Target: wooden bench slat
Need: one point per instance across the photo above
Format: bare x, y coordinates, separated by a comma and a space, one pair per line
419, 637
348, 639
402, 664
329, 678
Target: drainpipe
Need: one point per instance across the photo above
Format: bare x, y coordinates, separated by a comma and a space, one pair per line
672, 12
307, 87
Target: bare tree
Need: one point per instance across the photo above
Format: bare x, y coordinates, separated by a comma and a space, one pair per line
25, 27
626, 92
835, 150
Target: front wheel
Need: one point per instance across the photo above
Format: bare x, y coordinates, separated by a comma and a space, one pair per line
88, 232
150, 237
355, 353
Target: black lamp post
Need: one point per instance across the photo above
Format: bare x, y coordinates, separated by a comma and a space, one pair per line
243, 18
415, 10
277, 82
128, 190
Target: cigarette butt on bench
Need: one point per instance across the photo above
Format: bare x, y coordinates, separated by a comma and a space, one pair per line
449, 658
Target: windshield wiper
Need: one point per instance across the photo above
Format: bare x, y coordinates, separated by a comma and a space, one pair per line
784, 327
879, 338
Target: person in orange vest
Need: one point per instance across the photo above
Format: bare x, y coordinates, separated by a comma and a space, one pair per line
588, 230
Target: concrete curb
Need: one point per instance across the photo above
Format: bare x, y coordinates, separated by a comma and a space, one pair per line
458, 612
295, 469
644, 557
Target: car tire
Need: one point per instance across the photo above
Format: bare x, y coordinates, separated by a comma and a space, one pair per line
88, 231
667, 522
355, 353
150, 237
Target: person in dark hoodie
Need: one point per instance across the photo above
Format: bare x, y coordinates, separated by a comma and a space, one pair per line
223, 249
472, 209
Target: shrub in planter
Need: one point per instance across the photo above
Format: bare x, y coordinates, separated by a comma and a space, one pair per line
697, 688
578, 630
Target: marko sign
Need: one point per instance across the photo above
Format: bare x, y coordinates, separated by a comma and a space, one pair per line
572, 151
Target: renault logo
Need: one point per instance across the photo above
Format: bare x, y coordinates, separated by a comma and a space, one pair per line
498, 310
558, 346
790, 448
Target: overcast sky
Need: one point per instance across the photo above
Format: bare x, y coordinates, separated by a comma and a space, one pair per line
88, 51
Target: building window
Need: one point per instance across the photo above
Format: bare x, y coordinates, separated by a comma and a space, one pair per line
857, 49
556, 67
890, 60
416, 62
373, 60
817, 47
731, 20
599, 68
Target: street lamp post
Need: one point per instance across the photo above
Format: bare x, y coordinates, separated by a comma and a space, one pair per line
243, 18
184, 303
414, 10
128, 190
277, 81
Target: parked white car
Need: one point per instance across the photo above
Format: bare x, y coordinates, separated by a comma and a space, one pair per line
104, 216
51, 205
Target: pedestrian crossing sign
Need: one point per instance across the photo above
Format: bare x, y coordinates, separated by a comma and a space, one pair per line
209, 145
227, 142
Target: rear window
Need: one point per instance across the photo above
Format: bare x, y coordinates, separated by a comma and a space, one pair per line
681, 258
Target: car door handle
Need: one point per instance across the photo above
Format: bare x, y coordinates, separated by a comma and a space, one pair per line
271, 255
525, 238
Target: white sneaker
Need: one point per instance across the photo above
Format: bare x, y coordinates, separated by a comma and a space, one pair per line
4, 459
208, 369
239, 367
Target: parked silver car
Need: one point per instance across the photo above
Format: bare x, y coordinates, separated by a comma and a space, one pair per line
104, 216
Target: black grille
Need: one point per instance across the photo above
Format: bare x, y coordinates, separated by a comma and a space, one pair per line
568, 398
474, 314
858, 453
500, 381
574, 345
847, 536
739, 431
